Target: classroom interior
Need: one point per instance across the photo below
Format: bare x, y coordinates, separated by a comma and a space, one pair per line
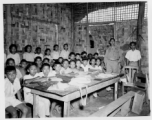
87, 27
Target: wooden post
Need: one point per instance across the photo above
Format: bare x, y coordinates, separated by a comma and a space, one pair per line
34, 106
66, 109
140, 23
115, 90
87, 33
72, 29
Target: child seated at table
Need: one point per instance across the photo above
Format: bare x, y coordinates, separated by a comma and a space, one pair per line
60, 60
22, 67
92, 65
73, 66
11, 62
98, 65
43, 104
72, 56
12, 87
96, 55
38, 61
78, 65
65, 69
46, 71
77, 56
85, 64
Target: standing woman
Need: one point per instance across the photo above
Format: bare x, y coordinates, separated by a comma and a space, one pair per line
112, 58
55, 54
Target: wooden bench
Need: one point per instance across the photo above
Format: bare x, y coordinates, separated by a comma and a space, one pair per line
121, 104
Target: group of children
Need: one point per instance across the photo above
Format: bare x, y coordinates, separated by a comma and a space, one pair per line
38, 67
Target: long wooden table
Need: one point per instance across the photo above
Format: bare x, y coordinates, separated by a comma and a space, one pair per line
73, 93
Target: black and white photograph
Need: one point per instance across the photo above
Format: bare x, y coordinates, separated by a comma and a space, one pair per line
76, 59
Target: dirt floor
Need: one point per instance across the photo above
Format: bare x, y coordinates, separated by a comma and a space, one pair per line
95, 104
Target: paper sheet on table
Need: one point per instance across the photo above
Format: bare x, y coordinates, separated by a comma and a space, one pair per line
105, 75
59, 86
56, 79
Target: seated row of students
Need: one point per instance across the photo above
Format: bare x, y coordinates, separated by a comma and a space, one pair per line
33, 71
29, 56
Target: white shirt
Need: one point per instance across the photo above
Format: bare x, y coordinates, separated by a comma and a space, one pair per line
133, 55
65, 71
93, 68
98, 67
16, 57
26, 77
51, 73
28, 56
55, 54
86, 68
64, 54
11, 88
40, 55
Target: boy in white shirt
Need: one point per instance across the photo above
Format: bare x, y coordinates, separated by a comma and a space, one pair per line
12, 87
13, 54
133, 56
85, 64
65, 53
43, 104
65, 69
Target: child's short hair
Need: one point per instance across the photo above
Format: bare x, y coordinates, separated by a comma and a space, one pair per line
72, 61
11, 46
84, 58
27, 47
65, 60
45, 52
23, 60
84, 52
8, 60
31, 64
55, 46
77, 54
78, 60
65, 44
9, 69
72, 53
46, 59
132, 43
96, 53
55, 64
36, 50
44, 65
38, 57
